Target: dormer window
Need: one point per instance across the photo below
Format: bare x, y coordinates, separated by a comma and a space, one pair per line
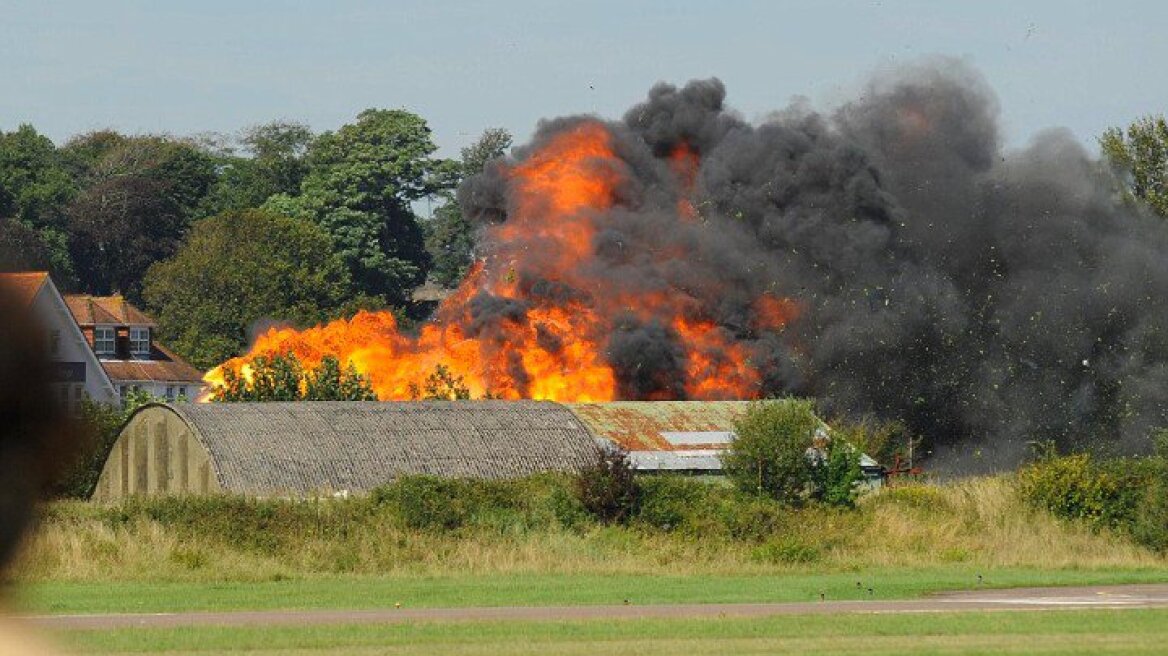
140, 343
104, 341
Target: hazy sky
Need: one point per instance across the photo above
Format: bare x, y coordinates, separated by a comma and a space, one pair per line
219, 65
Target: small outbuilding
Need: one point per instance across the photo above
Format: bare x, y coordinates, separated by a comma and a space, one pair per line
306, 448
679, 436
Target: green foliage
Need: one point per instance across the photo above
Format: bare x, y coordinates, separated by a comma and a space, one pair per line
34, 182
274, 163
1151, 521
284, 378
1104, 494
441, 385
359, 186
431, 503
768, 455
1139, 155
608, 489
835, 482
237, 269
139, 196
449, 235
100, 425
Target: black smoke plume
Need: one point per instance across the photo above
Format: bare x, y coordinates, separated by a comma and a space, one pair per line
987, 297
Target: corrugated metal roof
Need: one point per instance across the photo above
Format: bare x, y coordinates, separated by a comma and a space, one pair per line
301, 447
703, 460
698, 438
640, 425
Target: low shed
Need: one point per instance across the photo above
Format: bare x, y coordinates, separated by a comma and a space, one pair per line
687, 436
304, 448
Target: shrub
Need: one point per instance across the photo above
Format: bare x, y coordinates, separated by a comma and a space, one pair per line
425, 502
100, 427
1151, 521
1077, 487
668, 500
608, 489
835, 482
768, 455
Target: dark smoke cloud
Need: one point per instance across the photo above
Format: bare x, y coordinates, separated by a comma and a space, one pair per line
987, 297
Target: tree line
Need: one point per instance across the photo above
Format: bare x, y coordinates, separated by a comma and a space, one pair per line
212, 234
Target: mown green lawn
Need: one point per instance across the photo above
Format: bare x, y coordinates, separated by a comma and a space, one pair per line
340, 592
1034, 632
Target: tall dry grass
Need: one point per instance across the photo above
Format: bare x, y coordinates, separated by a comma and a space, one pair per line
981, 522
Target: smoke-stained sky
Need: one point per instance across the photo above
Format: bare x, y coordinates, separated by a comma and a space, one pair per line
989, 298
188, 67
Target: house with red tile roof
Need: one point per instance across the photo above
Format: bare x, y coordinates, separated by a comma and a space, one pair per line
77, 372
122, 337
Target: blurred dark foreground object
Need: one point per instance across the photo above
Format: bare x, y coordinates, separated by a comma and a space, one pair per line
34, 435
34, 440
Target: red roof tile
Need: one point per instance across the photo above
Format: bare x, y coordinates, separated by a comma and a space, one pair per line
92, 310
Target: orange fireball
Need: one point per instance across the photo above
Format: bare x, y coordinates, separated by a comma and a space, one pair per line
547, 335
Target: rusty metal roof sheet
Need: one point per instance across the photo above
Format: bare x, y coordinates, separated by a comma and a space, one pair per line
642, 425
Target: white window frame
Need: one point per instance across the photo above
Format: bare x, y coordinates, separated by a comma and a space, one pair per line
139, 345
98, 340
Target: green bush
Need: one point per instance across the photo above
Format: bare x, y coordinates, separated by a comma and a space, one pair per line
1105, 494
100, 427
1151, 521
608, 489
668, 500
768, 455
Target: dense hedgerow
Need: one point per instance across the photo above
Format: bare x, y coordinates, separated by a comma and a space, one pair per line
1125, 494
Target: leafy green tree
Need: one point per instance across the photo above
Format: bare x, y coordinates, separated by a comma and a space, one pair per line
441, 385
118, 228
360, 184
34, 182
139, 196
284, 378
768, 456
1139, 155
450, 236
23, 248
35, 186
273, 163
240, 268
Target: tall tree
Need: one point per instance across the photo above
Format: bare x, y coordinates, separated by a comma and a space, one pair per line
240, 268
1139, 155
140, 195
273, 162
35, 185
450, 237
361, 182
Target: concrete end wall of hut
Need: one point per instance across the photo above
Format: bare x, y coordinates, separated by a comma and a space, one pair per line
156, 453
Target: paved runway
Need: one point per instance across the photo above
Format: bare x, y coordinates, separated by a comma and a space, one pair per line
1020, 599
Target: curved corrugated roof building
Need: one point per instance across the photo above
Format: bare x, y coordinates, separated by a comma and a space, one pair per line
304, 448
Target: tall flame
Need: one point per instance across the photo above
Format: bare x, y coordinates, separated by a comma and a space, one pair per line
549, 340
